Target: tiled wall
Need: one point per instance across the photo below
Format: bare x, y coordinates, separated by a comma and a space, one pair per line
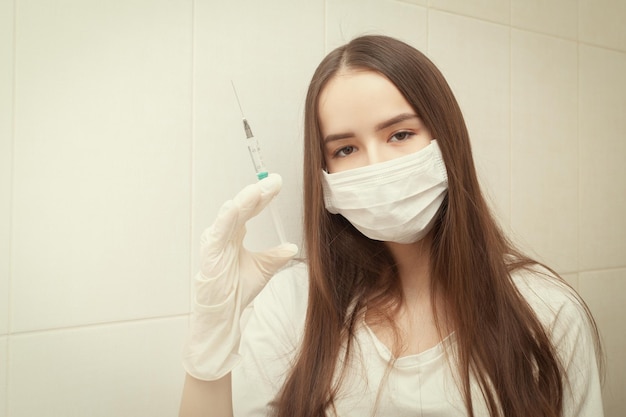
120, 138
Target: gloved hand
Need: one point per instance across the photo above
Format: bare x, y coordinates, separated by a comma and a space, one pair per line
230, 277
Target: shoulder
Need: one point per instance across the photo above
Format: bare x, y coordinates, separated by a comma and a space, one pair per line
570, 327
557, 305
282, 304
287, 290
271, 332
272, 326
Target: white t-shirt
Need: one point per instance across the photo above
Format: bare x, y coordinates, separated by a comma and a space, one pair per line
416, 385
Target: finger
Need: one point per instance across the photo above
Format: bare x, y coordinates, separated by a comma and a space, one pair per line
229, 225
223, 228
234, 213
255, 197
271, 185
271, 260
267, 263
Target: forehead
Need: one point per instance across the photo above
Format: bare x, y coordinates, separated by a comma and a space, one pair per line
352, 98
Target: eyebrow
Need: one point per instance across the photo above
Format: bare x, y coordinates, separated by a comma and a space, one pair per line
380, 126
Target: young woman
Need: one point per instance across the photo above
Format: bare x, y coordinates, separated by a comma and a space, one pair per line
412, 301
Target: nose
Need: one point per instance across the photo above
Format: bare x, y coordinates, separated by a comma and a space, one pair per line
374, 153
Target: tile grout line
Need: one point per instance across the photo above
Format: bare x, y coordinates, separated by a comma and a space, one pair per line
510, 32
578, 151
606, 48
324, 23
534, 31
11, 210
428, 30
606, 269
591, 270
192, 132
97, 325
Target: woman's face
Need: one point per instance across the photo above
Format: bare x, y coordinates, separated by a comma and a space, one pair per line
365, 120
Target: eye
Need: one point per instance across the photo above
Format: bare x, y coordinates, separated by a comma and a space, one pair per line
401, 136
343, 152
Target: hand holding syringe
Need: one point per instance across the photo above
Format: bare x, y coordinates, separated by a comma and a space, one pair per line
259, 167
231, 276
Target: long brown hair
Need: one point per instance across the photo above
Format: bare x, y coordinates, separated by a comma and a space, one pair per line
500, 341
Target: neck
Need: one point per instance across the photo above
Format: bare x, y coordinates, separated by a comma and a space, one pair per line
413, 263
419, 321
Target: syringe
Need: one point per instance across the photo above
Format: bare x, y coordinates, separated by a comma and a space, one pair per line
259, 167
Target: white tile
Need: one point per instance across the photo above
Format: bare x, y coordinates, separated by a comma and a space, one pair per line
474, 57
131, 369
602, 23
270, 54
347, 19
605, 293
602, 125
418, 2
544, 151
553, 17
102, 161
493, 10
6, 152
3, 376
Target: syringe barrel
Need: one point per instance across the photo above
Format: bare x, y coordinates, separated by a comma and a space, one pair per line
257, 161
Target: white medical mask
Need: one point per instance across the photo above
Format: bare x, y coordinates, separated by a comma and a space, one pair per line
391, 201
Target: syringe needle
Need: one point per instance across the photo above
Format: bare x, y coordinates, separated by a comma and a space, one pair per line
237, 97
246, 125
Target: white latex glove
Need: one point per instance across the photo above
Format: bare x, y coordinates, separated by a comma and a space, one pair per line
230, 277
